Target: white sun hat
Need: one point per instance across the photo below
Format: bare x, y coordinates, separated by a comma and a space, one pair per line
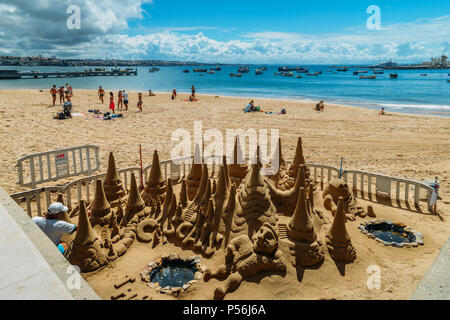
56, 208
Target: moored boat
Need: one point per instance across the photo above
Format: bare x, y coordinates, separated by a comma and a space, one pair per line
238, 75
186, 71
367, 77
393, 75
200, 70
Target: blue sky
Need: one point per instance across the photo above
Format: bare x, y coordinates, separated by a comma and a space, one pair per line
242, 31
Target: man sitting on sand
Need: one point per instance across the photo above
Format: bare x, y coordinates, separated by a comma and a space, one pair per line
382, 112
320, 106
150, 93
101, 94
53, 226
250, 107
53, 91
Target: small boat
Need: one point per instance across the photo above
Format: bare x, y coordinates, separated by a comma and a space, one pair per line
186, 71
424, 74
243, 70
277, 73
393, 75
211, 71
448, 80
287, 74
263, 68
367, 77
355, 73
216, 69
342, 69
302, 70
378, 71
200, 70
314, 74
298, 76
258, 71
284, 69
238, 75
153, 70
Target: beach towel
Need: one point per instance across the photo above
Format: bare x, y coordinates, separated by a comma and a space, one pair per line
78, 114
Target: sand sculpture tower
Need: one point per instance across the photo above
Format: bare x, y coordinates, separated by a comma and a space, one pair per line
338, 240
304, 247
100, 208
254, 205
156, 185
195, 175
135, 204
238, 168
113, 185
85, 250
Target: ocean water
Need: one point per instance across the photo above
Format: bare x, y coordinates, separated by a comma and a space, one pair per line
411, 93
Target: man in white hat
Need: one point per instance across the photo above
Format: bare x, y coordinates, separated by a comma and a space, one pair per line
53, 227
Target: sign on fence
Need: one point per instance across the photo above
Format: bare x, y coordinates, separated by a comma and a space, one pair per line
48, 166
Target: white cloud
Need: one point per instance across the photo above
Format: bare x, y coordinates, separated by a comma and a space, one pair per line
32, 27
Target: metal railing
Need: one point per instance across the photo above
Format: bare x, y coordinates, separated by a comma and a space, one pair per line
177, 168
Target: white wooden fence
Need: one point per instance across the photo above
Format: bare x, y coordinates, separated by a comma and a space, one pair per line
48, 166
362, 181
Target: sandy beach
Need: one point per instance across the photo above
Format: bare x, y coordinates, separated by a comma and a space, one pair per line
395, 144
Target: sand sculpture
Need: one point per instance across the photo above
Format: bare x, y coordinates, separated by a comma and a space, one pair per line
303, 244
285, 179
240, 217
247, 257
100, 207
338, 240
238, 168
195, 175
112, 184
156, 185
86, 249
338, 188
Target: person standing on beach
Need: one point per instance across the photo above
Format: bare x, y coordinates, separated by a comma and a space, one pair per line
174, 94
125, 99
139, 104
101, 94
53, 226
69, 89
150, 93
193, 92
120, 101
53, 91
68, 95
61, 95
112, 106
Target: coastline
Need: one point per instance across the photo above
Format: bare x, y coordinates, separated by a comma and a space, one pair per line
330, 102
395, 144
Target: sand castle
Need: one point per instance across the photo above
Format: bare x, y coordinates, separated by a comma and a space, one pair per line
337, 188
112, 184
238, 168
195, 175
338, 240
245, 218
156, 185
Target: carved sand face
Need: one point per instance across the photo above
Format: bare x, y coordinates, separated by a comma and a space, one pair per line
265, 240
339, 188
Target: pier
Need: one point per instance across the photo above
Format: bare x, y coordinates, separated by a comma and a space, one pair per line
14, 74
